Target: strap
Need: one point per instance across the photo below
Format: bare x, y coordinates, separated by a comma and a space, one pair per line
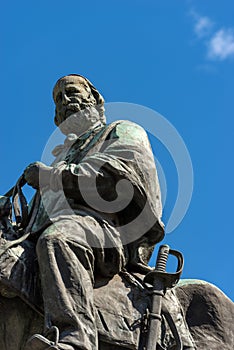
20, 205
173, 328
10, 192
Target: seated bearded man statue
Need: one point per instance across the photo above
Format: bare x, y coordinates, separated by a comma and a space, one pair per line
97, 211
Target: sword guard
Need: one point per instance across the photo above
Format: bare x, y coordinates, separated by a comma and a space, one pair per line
169, 280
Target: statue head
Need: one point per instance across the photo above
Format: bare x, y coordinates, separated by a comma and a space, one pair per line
78, 103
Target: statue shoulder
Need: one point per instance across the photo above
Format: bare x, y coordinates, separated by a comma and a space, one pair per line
128, 131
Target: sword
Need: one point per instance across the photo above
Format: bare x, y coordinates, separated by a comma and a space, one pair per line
159, 279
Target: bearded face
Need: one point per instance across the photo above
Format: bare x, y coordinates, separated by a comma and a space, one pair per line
75, 104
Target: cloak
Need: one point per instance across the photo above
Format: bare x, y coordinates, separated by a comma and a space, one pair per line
85, 180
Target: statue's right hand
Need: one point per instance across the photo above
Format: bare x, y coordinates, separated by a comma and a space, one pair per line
36, 174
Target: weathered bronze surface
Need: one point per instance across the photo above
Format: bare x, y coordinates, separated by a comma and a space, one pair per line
71, 276
120, 309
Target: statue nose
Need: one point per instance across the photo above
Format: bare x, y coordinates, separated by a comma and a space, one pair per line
66, 99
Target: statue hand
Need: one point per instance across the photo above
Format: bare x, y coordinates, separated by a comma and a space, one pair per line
37, 175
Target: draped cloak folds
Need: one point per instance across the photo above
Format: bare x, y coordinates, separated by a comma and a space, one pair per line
83, 181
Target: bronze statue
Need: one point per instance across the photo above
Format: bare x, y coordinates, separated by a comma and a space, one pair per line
70, 246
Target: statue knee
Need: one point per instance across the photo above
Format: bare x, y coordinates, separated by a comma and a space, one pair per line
65, 249
72, 239
49, 236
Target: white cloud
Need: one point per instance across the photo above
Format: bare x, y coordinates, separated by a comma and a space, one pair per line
221, 45
219, 42
203, 24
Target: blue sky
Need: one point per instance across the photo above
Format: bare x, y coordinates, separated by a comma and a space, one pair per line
176, 57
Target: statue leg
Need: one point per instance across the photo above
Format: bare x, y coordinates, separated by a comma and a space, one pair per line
66, 264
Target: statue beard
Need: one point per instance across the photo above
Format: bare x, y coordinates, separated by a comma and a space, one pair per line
80, 121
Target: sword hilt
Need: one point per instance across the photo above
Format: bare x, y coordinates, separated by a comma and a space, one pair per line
162, 258
169, 279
